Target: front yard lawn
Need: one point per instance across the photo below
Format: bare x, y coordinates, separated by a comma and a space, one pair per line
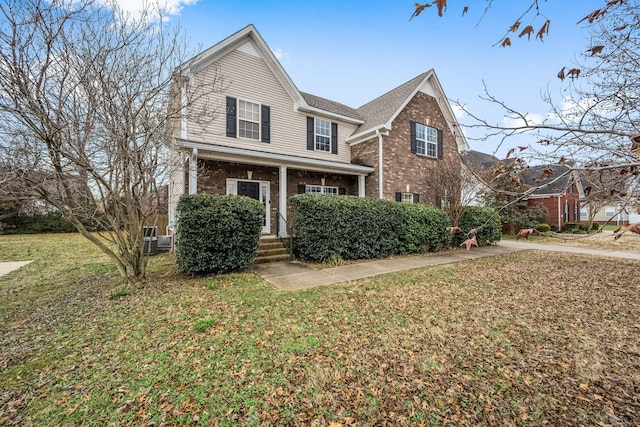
527, 339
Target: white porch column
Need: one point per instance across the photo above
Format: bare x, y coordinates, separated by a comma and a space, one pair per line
282, 203
193, 172
361, 189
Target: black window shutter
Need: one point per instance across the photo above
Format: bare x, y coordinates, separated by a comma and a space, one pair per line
265, 113
412, 126
342, 191
310, 133
440, 145
398, 197
334, 138
416, 198
231, 117
301, 188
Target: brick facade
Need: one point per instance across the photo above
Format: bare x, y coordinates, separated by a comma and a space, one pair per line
401, 168
570, 201
213, 175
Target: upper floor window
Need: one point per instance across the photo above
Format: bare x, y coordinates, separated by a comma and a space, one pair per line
323, 135
425, 140
248, 120
609, 211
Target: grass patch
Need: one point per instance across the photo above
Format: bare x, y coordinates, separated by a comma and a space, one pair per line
523, 339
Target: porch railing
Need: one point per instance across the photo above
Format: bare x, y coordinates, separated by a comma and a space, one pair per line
288, 239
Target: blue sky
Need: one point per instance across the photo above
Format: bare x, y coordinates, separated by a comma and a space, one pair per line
354, 51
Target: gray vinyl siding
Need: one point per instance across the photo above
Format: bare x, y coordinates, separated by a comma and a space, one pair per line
248, 77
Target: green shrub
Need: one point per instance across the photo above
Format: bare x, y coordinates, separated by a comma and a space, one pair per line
543, 228
329, 228
554, 228
594, 227
569, 227
217, 234
425, 229
583, 226
486, 221
50, 222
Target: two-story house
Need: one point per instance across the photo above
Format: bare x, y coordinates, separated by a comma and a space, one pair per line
270, 141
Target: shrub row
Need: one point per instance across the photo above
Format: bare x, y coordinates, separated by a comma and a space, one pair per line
331, 228
217, 234
486, 222
51, 222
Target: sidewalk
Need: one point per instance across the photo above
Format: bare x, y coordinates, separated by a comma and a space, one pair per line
8, 267
290, 276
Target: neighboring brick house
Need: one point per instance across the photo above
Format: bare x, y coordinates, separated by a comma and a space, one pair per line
560, 192
273, 141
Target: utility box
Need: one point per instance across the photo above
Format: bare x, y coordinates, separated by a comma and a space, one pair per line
150, 240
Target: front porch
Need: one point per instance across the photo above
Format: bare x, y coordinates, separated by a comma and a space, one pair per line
270, 178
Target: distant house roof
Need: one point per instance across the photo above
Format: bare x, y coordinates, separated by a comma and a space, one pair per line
479, 159
541, 175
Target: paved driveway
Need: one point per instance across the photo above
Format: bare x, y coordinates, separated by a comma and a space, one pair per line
8, 267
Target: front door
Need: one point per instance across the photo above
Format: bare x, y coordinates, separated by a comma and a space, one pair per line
250, 189
258, 190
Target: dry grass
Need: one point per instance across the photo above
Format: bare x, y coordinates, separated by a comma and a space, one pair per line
533, 338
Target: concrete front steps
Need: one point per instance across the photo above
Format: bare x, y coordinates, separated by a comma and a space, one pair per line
271, 249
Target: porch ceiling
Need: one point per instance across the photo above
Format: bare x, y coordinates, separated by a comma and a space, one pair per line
263, 158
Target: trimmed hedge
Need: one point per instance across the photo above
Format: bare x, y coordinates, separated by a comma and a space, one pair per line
571, 226
543, 228
217, 234
329, 228
485, 220
51, 222
426, 229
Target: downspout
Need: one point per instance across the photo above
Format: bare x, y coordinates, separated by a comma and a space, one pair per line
559, 216
380, 173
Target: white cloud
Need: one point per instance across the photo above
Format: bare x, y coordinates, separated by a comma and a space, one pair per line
458, 111
168, 7
281, 55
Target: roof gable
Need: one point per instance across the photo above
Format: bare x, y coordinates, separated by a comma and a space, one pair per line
380, 113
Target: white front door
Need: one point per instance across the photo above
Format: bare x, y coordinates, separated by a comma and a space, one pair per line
258, 190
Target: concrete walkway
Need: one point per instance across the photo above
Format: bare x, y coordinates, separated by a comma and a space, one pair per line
8, 267
294, 275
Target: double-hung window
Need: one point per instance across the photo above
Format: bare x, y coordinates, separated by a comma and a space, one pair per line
323, 135
248, 120
426, 140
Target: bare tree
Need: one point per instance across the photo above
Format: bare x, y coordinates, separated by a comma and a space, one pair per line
595, 118
84, 92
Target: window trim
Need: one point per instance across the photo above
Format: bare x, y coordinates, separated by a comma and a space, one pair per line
324, 189
316, 135
406, 198
423, 145
258, 122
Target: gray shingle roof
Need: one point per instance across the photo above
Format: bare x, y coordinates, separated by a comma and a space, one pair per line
479, 159
381, 109
330, 106
534, 177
